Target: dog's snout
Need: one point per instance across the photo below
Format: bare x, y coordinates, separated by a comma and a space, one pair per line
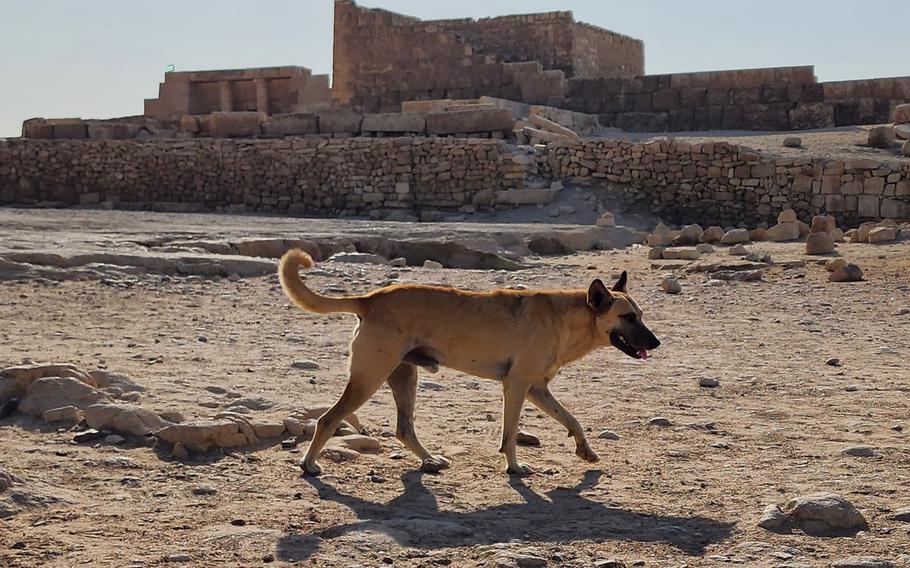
655, 343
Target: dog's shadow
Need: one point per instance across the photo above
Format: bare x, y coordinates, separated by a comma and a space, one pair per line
414, 519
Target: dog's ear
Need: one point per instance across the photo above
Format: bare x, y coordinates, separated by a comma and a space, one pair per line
599, 298
620, 285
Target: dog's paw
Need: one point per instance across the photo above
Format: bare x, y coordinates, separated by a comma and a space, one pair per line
520, 470
585, 452
434, 464
310, 468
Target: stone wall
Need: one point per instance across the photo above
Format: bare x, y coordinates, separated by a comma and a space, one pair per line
757, 99
711, 183
382, 59
721, 183
346, 177
269, 90
597, 52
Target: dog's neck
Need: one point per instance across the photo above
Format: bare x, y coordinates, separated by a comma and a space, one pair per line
582, 337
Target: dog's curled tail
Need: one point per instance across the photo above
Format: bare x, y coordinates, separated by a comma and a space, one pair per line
297, 291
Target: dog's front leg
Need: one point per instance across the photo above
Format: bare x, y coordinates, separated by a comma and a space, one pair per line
513, 399
543, 399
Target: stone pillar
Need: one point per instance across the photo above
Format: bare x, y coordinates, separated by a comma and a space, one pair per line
262, 96
227, 96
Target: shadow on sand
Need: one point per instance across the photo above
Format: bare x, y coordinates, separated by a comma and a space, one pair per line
413, 519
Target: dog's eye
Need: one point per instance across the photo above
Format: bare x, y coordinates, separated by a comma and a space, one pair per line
629, 317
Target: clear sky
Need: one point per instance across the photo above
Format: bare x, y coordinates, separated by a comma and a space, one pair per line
101, 58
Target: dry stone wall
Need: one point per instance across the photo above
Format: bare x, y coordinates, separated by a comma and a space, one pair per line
721, 183
344, 177
709, 183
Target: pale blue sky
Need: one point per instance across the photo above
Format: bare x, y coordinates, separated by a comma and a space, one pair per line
101, 58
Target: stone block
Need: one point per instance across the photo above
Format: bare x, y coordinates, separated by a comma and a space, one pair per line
237, 124
869, 206
399, 122
469, 120
76, 130
643, 121
526, 196
339, 121
291, 124
806, 116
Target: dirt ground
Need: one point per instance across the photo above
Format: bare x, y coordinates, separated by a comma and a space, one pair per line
685, 495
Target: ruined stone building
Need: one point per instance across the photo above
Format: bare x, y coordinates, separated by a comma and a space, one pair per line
382, 59
385, 62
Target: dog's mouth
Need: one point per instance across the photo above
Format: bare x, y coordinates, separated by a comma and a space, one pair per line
620, 342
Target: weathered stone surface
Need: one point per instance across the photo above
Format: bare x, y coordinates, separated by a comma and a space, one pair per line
819, 243
881, 137
292, 124
783, 232
735, 236
901, 114
848, 273
55, 392
467, 121
399, 122
131, 420
862, 562
340, 121
882, 235
237, 124
201, 436
825, 514
68, 414
712, 234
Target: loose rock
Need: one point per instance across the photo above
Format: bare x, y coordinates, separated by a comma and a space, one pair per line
671, 286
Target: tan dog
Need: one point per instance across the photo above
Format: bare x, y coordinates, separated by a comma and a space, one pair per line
519, 337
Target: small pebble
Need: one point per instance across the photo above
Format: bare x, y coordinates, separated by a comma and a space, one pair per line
659, 421
608, 435
708, 382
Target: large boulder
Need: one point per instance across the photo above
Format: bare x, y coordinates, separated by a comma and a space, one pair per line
882, 235
787, 216
125, 419
689, 235
902, 131
819, 243
823, 224
56, 392
712, 234
735, 236
881, 137
825, 514
783, 232
847, 273
901, 114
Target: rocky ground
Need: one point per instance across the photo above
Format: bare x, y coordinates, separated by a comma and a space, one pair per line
803, 370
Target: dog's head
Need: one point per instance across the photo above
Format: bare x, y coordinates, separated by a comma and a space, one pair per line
618, 319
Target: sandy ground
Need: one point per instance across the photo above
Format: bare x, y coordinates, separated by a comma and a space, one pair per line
685, 495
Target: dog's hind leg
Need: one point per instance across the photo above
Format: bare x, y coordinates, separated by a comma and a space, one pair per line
513, 398
543, 399
374, 354
403, 382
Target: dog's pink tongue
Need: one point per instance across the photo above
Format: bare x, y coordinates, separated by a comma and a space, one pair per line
643, 354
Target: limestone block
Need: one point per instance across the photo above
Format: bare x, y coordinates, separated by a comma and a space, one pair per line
339, 121
292, 124
409, 122
236, 124
464, 121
